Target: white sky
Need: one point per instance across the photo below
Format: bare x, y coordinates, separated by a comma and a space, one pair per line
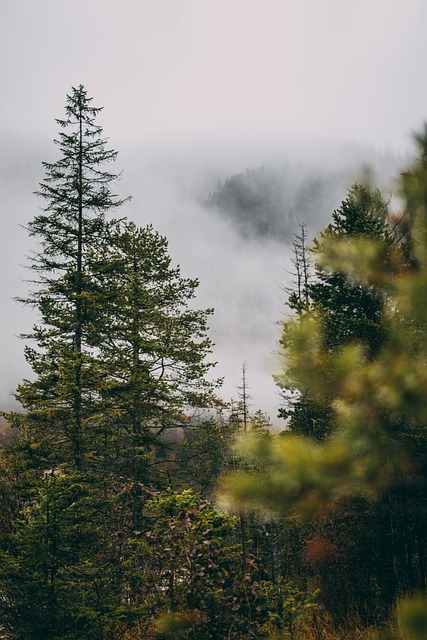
346, 69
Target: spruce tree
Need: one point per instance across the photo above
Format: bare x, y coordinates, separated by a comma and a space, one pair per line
153, 346
76, 188
58, 571
351, 310
348, 310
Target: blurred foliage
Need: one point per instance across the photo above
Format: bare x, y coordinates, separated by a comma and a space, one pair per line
358, 354
412, 617
374, 397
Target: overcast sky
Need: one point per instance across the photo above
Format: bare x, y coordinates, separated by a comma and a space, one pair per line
190, 88
334, 67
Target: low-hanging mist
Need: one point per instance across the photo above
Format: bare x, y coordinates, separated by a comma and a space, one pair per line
230, 213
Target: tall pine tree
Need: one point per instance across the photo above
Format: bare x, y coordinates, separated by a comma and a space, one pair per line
77, 191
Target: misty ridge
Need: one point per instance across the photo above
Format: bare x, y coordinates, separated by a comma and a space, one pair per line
264, 190
270, 204
258, 202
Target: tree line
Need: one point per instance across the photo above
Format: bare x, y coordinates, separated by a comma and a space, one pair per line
124, 457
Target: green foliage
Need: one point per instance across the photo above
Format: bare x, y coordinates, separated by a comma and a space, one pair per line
204, 452
347, 309
177, 625
360, 351
152, 343
120, 358
412, 617
187, 574
60, 399
54, 582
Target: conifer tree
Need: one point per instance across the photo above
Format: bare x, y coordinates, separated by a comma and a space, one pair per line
348, 310
352, 310
57, 574
77, 192
153, 346
299, 298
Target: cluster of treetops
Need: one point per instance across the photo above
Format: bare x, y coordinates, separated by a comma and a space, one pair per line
110, 529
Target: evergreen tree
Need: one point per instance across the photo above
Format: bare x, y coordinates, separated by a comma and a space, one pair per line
352, 310
77, 190
58, 575
348, 310
154, 348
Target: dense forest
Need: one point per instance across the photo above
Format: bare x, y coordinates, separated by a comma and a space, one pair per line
137, 503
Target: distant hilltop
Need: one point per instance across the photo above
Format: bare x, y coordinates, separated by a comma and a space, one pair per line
269, 204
